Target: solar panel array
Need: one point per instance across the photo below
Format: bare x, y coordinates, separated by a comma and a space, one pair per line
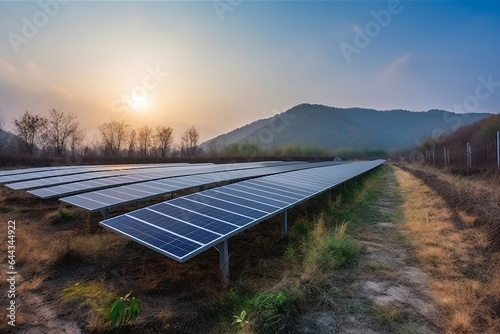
86, 185
184, 227
105, 199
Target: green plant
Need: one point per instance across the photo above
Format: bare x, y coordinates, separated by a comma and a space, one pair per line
124, 310
240, 319
339, 249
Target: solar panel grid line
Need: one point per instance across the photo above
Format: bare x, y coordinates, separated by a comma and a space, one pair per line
267, 190
227, 201
236, 213
176, 227
241, 187
155, 226
206, 216
249, 196
139, 230
185, 222
281, 187
220, 191
218, 225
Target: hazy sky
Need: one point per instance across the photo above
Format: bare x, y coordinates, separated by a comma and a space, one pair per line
218, 65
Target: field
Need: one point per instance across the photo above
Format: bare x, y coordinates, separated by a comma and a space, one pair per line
404, 249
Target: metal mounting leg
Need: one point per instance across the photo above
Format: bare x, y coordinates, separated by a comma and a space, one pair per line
284, 223
105, 213
330, 195
224, 260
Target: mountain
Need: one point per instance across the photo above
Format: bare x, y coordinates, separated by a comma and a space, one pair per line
351, 128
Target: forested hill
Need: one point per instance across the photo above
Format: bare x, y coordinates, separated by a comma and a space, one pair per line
334, 128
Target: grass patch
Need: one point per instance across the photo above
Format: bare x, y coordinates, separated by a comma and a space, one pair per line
61, 216
95, 297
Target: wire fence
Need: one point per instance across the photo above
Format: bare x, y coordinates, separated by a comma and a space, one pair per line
465, 154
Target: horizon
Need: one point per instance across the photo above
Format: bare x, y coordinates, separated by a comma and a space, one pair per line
219, 66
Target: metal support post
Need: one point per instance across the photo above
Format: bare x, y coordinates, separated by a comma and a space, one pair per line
224, 260
284, 223
498, 149
105, 213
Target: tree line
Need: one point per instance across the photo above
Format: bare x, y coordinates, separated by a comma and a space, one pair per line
59, 134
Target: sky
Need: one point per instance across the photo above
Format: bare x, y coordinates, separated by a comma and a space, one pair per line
219, 65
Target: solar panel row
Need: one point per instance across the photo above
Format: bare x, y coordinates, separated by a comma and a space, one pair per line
137, 173
58, 189
184, 227
105, 199
60, 171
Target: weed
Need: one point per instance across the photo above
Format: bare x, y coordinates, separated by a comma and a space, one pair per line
241, 320
339, 250
124, 310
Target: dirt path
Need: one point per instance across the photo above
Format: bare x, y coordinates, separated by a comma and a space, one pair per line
387, 292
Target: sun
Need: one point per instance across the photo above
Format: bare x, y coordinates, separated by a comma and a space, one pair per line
139, 103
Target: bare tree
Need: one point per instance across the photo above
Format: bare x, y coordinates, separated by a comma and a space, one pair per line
164, 139
76, 139
60, 129
29, 130
144, 136
189, 142
113, 134
132, 142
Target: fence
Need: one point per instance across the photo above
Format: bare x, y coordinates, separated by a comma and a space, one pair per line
465, 155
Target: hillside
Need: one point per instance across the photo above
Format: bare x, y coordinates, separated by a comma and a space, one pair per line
334, 128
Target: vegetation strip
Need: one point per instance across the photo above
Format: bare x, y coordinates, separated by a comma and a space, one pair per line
465, 286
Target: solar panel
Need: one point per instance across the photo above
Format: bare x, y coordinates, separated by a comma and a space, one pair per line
94, 201
184, 227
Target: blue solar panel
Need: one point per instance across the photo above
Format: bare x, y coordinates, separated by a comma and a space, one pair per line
204, 219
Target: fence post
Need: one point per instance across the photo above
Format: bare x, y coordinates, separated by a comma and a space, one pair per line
444, 156
498, 149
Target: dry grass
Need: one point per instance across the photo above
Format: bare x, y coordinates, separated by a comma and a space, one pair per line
449, 255
466, 219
